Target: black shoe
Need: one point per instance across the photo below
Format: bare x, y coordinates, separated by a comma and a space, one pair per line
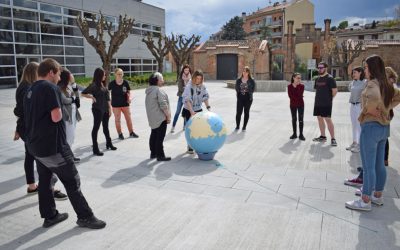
301, 137
77, 159
110, 146
91, 222
56, 219
294, 136
32, 191
320, 139
244, 129
96, 151
59, 196
163, 158
153, 156
121, 136
133, 135
359, 169
237, 128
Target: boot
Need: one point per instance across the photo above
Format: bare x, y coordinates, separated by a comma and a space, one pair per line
96, 150
294, 135
109, 145
301, 136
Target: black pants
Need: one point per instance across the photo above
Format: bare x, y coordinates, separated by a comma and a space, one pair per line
243, 103
29, 167
100, 117
61, 164
157, 139
300, 111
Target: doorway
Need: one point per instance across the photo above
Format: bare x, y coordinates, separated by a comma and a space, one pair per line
227, 66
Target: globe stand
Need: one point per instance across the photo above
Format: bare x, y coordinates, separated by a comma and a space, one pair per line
206, 156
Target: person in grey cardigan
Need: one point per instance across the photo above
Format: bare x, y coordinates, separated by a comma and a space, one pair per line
70, 105
158, 114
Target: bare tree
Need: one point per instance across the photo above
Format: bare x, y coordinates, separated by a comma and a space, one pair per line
180, 47
254, 49
158, 49
103, 28
344, 54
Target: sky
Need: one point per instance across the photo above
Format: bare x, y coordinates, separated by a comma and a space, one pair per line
205, 17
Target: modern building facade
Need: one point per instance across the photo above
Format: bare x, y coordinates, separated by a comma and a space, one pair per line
34, 30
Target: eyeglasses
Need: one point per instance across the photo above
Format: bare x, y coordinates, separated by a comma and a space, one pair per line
321, 67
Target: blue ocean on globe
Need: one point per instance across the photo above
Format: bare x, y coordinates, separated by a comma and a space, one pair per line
205, 132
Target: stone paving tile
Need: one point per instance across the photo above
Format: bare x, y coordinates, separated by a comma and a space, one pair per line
302, 192
311, 183
254, 186
185, 187
227, 193
274, 200
215, 181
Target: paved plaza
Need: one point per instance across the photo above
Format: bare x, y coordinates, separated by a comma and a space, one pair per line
262, 190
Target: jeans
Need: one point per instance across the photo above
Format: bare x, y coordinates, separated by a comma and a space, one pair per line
157, 139
100, 117
61, 164
294, 111
179, 106
243, 103
372, 148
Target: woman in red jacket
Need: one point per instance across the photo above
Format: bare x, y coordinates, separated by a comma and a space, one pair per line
295, 92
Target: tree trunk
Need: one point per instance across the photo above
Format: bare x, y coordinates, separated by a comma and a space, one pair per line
107, 69
178, 70
345, 74
160, 66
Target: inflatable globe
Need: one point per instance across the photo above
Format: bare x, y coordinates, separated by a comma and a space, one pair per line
205, 132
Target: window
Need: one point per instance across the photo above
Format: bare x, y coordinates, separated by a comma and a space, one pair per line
27, 49
136, 68
75, 60
6, 36
25, 14
50, 8
51, 28
147, 68
7, 60
6, 48
136, 61
76, 69
50, 18
146, 26
69, 21
8, 81
59, 59
74, 41
5, 24
375, 36
25, 4
391, 37
72, 31
7, 71
147, 61
74, 51
72, 12
26, 37
5, 2
124, 61
56, 40
136, 32
5, 12
26, 26
157, 28
361, 37
52, 50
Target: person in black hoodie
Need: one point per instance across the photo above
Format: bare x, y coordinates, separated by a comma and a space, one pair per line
101, 108
244, 92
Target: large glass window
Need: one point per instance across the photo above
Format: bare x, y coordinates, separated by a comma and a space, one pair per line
52, 50
123, 61
147, 61
147, 68
75, 60
25, 14
136, 68
69, 21
51, 28
25, 4
6, 36
26, 26
7, 71
146, 26
136, 32
49, 18
74, 51
5, 24
56, 40
5, 2
59, 59
50, 8
6, 48
72, 31
72, 12
27, 49
5, 12
74, 41
26, 37
7, 60
136, 61
76, 69
8, 81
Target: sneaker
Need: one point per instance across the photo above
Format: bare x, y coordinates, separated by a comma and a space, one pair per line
91, 222
356, 182
333, 142
355, 149
58, 195
32, 191
375, 200
351, 146
320, 139
56, 219
172, 130
358, 205
302, 138
121, 136
163, 158
133, 135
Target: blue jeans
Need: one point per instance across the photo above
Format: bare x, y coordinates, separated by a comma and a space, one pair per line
372, 148
178, 111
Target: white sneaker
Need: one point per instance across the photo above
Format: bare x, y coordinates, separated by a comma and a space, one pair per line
358, 205
375, 200
351, 146
172, 130
355, 149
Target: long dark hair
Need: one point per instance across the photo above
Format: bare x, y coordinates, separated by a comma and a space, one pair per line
64, 79
376, 68
183, 69
293, 76
361, 71
98, 77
